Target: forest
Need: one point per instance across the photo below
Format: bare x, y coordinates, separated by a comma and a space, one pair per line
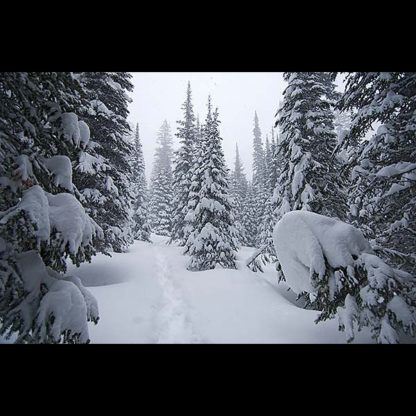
317, 245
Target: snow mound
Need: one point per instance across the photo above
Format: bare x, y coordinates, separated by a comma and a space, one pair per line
332, 266
304, 241
68, 217
35, 203
62, 212
61, 167
66, 300
70, 127
24, 170
84, 132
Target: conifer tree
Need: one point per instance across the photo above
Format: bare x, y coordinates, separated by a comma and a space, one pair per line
382, 194
260, 179
42, 223
238, 191
267, 163
249, 216
160, 206
258, 154
275, 164
309, 178
182, 173
212, 240
266, 252
140, 207
104, 180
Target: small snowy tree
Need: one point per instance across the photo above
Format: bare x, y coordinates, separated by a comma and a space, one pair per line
160, 206
238, 191
42, 223
332, 266
141, 226
249, 216
267, 254
212, 240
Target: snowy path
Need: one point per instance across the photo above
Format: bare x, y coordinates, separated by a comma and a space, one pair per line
173, 319
148, 296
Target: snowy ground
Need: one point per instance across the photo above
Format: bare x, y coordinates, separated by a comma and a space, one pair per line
148, 296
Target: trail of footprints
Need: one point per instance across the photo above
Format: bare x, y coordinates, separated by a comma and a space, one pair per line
173, 323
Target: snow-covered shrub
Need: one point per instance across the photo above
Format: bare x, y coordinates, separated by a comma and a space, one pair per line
333, 267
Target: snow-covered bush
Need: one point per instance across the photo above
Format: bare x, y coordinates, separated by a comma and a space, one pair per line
333, 267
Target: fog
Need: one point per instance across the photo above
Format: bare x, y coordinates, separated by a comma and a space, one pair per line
159, 95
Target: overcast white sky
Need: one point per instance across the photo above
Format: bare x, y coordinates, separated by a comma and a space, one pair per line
159, 95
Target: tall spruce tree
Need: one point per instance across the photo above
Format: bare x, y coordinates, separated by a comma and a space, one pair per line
104, 180
383, 189
141, 225
182, 173
212, 240
161, 195
42, 223
309, 178
275, 164
260, 179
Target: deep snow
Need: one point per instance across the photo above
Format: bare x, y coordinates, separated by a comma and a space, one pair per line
148, 296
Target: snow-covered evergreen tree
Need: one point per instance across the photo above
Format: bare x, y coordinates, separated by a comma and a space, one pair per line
382, 195
141, 225
260, 178
249, 216
275, 164
212, 240
238, 191
182, 173
309, 178
161, 194
266, 252
267, 163
42, 223
268, 219
104, 180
